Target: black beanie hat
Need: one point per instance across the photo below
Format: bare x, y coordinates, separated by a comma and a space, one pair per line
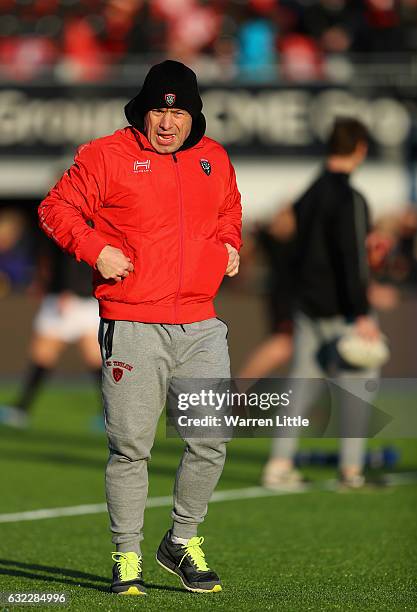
169, 84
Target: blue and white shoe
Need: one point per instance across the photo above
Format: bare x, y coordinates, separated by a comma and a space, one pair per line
13, 417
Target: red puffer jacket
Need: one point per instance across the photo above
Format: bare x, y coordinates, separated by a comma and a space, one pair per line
171, 214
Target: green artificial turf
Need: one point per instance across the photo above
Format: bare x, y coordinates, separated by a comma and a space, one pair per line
319, 550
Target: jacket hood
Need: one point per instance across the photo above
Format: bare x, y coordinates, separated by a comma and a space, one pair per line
169, 84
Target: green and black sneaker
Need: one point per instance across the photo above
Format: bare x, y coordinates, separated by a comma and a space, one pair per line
188, 563
127, 574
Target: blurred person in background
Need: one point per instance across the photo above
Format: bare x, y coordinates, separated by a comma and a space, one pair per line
81, 40
16, 267
67, 314
83, 57
29, 38
257, 41
332, 282
190, 29
383, 19
333, 23
396, 275
277, 242
300, 58
137, 32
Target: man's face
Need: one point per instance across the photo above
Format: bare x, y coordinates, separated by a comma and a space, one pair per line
167, 128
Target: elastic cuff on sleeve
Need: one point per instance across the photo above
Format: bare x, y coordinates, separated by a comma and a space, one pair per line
232, 241
90, 248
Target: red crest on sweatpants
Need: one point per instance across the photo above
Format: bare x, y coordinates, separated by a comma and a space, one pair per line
117, 374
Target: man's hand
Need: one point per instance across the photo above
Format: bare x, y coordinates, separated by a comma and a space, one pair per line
367, 328
112, 263
378, 246
234, 260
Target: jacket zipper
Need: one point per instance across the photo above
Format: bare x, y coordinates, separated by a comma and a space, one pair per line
181, 219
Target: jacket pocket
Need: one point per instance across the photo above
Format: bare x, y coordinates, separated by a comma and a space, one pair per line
105, 338
205, 263
110, 289
108, 339
106, 289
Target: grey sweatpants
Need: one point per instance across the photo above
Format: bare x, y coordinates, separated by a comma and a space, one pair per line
315, 356
139, 360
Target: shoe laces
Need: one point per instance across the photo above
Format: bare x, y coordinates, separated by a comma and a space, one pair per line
129, 565
193, 549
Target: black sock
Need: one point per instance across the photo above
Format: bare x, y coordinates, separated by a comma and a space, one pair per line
96, 374
34, 379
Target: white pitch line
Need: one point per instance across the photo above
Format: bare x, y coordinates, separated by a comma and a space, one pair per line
218, 496
401, 478
152, 502
45, 513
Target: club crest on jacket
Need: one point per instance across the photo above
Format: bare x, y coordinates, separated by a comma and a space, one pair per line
206, 166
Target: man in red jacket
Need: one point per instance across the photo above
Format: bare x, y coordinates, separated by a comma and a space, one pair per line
155, 210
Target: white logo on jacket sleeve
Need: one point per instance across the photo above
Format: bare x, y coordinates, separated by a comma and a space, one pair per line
142, 166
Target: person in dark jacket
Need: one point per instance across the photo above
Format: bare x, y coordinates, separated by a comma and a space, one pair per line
165, 228
331, 269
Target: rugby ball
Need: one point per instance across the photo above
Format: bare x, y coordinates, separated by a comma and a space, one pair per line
361, 352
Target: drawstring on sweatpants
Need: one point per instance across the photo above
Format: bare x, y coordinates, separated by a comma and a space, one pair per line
181, 325
165, 329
